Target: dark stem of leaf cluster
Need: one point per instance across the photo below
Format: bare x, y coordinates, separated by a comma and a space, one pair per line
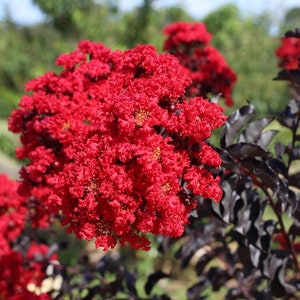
281, 223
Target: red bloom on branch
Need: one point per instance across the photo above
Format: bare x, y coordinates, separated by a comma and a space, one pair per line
12, 212
114, 147
19, 271
289, 53
186, 34
20, 266
210, 74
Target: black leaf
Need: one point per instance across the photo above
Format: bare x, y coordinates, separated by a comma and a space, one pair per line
279, 287
203, 261
217, 277
235, 123
259, 259
252, 133
234, 294
293, 207
294, 180
238, 207
188, 251
266, 138
264, 172
223, 208
295, 153
295, 229
288, 118
130, 280
292, 76
280, 149
278, 166
293, 33
266, 234
227, 161
194, 291
153, 279
245, 150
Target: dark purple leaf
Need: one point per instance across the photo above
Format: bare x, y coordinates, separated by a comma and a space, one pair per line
278, 285
266, 138
263, 172
252, 133
130, 279
295, 153
194, 292
280, 149
278, 166
293, 33
235, 123
227, 161
153, 279
188, 250
292, 76
223, 208
293, 205
295, 229
294, 180
259, 259
217, 277
289, 117
245, 150
203, 261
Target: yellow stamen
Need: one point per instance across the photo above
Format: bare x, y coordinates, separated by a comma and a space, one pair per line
140, 115
94, 186
66, 126
156, 153
165, 188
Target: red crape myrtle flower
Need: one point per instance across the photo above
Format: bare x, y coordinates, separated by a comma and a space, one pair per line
289, 53
12, 212
210, 74
19, 270
19, 267
114, 147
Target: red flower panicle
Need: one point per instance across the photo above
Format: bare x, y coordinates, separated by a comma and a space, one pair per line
114, 147
19, 267
289, 53
12, 212
20, 270
210, 74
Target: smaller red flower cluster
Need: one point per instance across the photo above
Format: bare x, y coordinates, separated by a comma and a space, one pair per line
210, 74
19, 267
289, 53
114, 147
12, 213
19, 271
281, 240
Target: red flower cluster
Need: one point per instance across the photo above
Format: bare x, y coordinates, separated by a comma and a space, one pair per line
210, 74
12, 213
289, 53
19, 267
114, 147
19, 271
281, 240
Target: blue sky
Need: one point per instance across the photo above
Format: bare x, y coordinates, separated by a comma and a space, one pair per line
24, 12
